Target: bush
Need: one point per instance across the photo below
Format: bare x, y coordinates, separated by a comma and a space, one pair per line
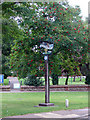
32, 80
54, 79
87, 80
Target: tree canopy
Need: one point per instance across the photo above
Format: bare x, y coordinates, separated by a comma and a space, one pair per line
10, 32
41, 21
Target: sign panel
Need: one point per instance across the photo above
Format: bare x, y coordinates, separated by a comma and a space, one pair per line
45, 57
1, 78
46, 45
16, 85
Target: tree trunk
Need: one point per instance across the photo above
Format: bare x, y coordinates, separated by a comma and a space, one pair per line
54, 79
87, 65
87, 80
74, 79
80, 78
66, 83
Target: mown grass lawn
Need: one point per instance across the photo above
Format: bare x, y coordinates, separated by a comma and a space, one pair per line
23, 103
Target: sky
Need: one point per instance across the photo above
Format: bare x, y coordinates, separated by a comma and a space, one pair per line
83, 5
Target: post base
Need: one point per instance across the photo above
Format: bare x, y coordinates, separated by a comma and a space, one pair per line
46, 104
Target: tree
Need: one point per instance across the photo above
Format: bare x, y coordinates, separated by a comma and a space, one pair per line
84, 66
10, 32
58, 21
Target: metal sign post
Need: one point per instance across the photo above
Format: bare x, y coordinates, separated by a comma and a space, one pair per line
46, 46
46, 82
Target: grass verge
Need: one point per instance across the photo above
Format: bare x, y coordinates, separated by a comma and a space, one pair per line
23, 103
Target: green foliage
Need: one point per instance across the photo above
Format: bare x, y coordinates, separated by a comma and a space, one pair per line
10, 32
6, 81
85, 69
5, 66
41, 21
32, 80
87, 80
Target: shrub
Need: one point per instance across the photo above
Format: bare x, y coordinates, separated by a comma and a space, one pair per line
32, 80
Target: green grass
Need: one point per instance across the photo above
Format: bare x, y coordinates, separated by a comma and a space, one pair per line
70, 81
23, 103
62, 81
21, 80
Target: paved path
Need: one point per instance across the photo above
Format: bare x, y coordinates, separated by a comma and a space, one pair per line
70, 114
